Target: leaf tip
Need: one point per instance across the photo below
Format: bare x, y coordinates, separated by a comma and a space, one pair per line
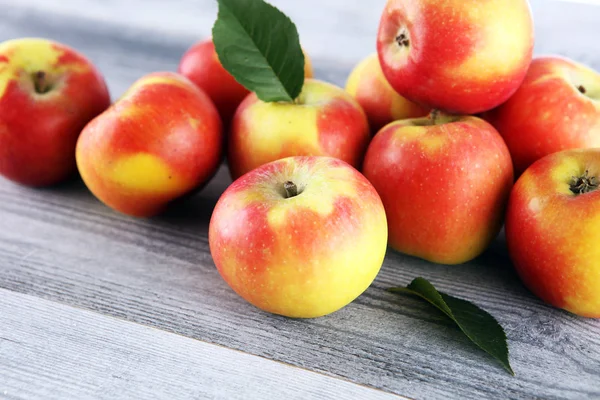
509, 369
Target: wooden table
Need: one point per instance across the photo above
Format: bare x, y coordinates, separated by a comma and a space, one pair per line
96, 305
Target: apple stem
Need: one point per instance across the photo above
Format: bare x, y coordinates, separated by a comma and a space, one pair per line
583, 184
40, 82
433, 116
291, 189
581, 89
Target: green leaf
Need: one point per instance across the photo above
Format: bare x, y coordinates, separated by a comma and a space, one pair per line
260, 47
479, 326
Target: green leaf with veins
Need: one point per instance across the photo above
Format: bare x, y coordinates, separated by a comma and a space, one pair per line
478, 325
260, 47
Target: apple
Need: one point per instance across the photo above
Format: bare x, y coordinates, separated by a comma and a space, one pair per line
556, 108
459, 56
324, 121
201, 65
48, 93
553, 230
381, 102
301, 236
444, 182
160, 141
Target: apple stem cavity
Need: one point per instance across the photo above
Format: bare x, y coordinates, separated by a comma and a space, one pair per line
435, 117
40, 82
583, 184
291, 190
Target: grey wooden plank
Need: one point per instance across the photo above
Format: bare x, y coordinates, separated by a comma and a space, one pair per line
52, 351
63, 245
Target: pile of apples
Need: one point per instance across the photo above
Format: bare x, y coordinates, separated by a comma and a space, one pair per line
419, 151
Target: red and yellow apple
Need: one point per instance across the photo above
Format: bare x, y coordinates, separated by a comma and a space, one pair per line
381, 102
553, 230
300, 237
444, 182
460, 56
161, 140
556, 108
201, 65
324, 121
48, 93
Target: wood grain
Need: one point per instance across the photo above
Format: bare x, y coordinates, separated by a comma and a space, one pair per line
42, 343
63, 245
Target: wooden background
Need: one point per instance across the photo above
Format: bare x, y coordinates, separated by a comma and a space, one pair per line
94, 304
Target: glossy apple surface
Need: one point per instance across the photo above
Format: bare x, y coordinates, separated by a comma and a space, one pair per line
305, 252
159, 142
444, 182
557, 108
48, 93
326, 121
553, 230
381, 102
460, 56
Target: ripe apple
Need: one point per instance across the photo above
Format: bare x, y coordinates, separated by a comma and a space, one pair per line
160, 141
381, 102
553, 230
201, 65
324, 121
557, 108
300, 237
48, 93
444, 182
460, 56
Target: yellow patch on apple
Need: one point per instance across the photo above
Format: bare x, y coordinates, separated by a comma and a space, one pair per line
31, 56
